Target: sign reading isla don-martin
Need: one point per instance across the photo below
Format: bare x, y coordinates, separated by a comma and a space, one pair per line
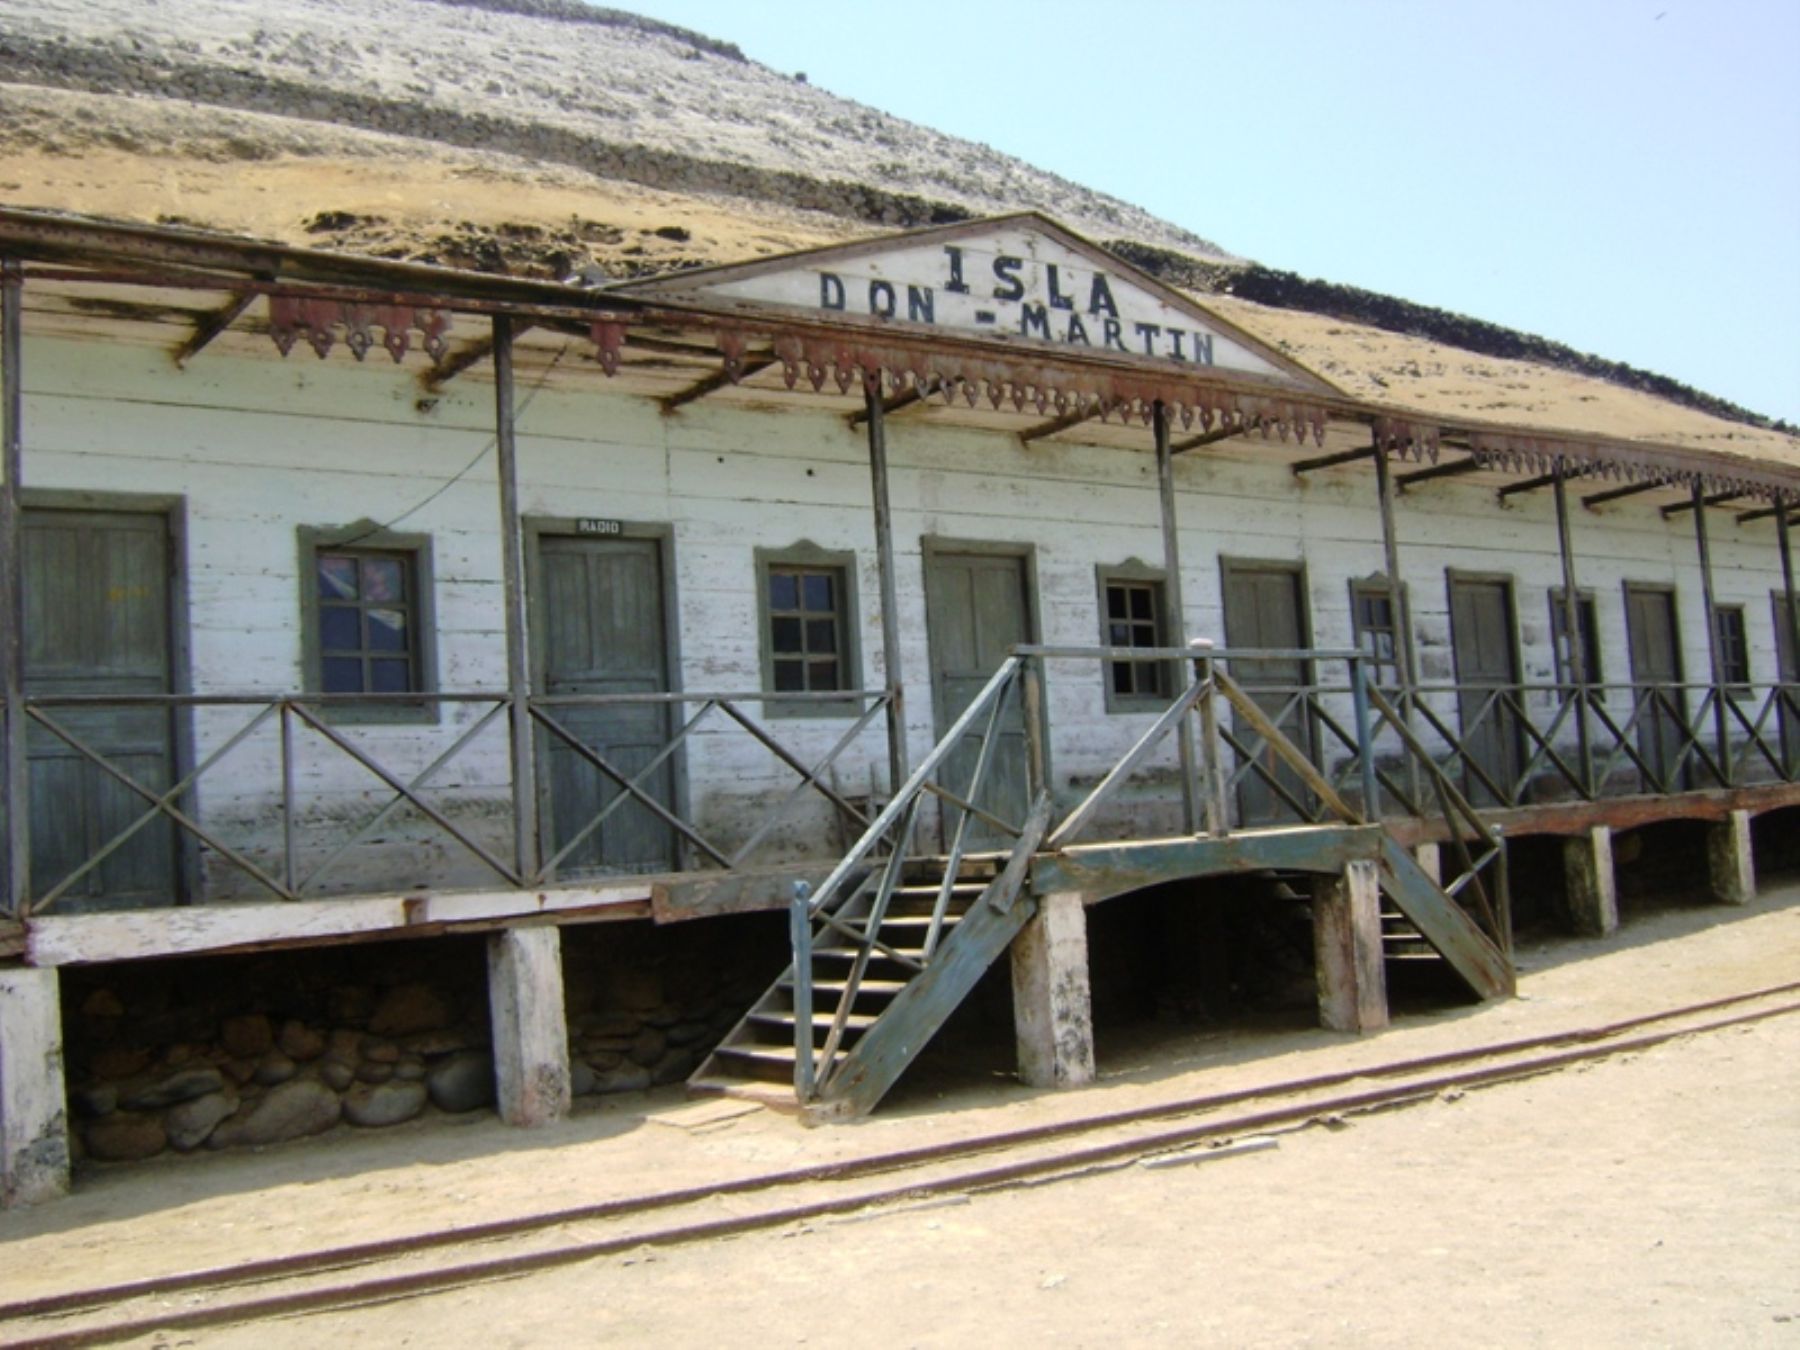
1015, 283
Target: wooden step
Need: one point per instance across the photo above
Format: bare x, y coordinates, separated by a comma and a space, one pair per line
881, 988
820, 1021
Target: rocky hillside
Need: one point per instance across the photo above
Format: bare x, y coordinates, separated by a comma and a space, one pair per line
548, 137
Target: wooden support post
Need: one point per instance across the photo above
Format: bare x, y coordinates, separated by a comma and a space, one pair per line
1788, 595
34, 1141
531, 1034
1347, 949
1403, 636
876, 414
1592, 885
1052, 1006
15, 898
1729, 860
1175, 620
1430, 858
512, 576
1721, 718
1576, 661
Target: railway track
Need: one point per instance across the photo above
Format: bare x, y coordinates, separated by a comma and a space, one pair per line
346, 1276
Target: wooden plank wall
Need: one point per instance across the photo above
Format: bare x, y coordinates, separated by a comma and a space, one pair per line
260, 448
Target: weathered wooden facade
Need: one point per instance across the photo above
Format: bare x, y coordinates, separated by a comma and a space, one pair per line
931, 589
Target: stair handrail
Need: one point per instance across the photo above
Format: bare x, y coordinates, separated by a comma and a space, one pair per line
915, 784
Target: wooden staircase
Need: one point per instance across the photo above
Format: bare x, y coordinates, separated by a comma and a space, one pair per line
884, 973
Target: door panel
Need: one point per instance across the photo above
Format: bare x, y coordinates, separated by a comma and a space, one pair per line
1482, 638
1265, 607
977, 609
599, 618
97, 622
1655, 639
1788, 708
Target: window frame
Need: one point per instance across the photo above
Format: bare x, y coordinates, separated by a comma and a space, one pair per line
369, 538
1135, 573
1588, 603
809, 557
1741, 639
1376, 584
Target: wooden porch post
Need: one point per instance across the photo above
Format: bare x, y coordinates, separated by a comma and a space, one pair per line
14, 784
898, 760
1175, 619
1721, 727
1347, 950
1403, 637
531, 1035
1730, 862
1787, 578
1591, 882
1574, 639
512, 576
34, 1139
1052, 1006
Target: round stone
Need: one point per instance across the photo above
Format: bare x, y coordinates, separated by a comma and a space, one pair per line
372, 1105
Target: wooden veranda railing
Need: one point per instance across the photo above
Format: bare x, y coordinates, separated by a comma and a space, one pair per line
266, 736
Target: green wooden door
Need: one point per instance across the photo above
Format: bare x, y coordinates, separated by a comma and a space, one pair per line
1655, 641
97, 622
1487, 676
977, 609
598, 624
1264, 608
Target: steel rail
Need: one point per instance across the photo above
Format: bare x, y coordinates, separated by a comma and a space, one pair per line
1587, 1043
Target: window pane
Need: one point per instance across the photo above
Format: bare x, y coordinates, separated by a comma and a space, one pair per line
342, 675
1118, 635
337, 577
389, 676
387, 630
1121, 677
786, 634
1140, 602
338, 629
825, 675
789, 676
382, 579
784, 590
1149, 677
818, 592
1115, 602
821, 636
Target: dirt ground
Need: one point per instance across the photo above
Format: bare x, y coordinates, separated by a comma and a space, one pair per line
1654, 1197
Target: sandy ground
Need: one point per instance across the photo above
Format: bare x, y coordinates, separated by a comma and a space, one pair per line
1552, 1181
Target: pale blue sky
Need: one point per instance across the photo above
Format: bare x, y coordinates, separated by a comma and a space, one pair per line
1619, 175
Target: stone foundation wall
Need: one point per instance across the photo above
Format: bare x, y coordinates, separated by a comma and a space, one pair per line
230, 1052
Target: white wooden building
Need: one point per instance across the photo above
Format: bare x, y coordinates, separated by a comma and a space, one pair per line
285, 633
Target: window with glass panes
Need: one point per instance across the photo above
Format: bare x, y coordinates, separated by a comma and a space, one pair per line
1734, 644
367, 614
806, 629
1134, 619
1590, 637
1373, 624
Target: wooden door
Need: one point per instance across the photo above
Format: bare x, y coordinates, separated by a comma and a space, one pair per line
1487, 676
1655, 640
97, 622
599, 628
977, 608
1265, 608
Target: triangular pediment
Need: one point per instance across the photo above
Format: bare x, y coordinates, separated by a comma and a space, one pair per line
1022, 280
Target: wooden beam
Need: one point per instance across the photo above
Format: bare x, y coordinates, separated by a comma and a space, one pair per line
34, 1146
1614, 494
1053, 1017
1329, 461
1174, 612
714, 382
129, 935
1529, 485
530, 1029
1056, 424
1347, 952
1103, 871
1761, 513
1447, 470
1206, 438
875, 413
1718, 498
213, 325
